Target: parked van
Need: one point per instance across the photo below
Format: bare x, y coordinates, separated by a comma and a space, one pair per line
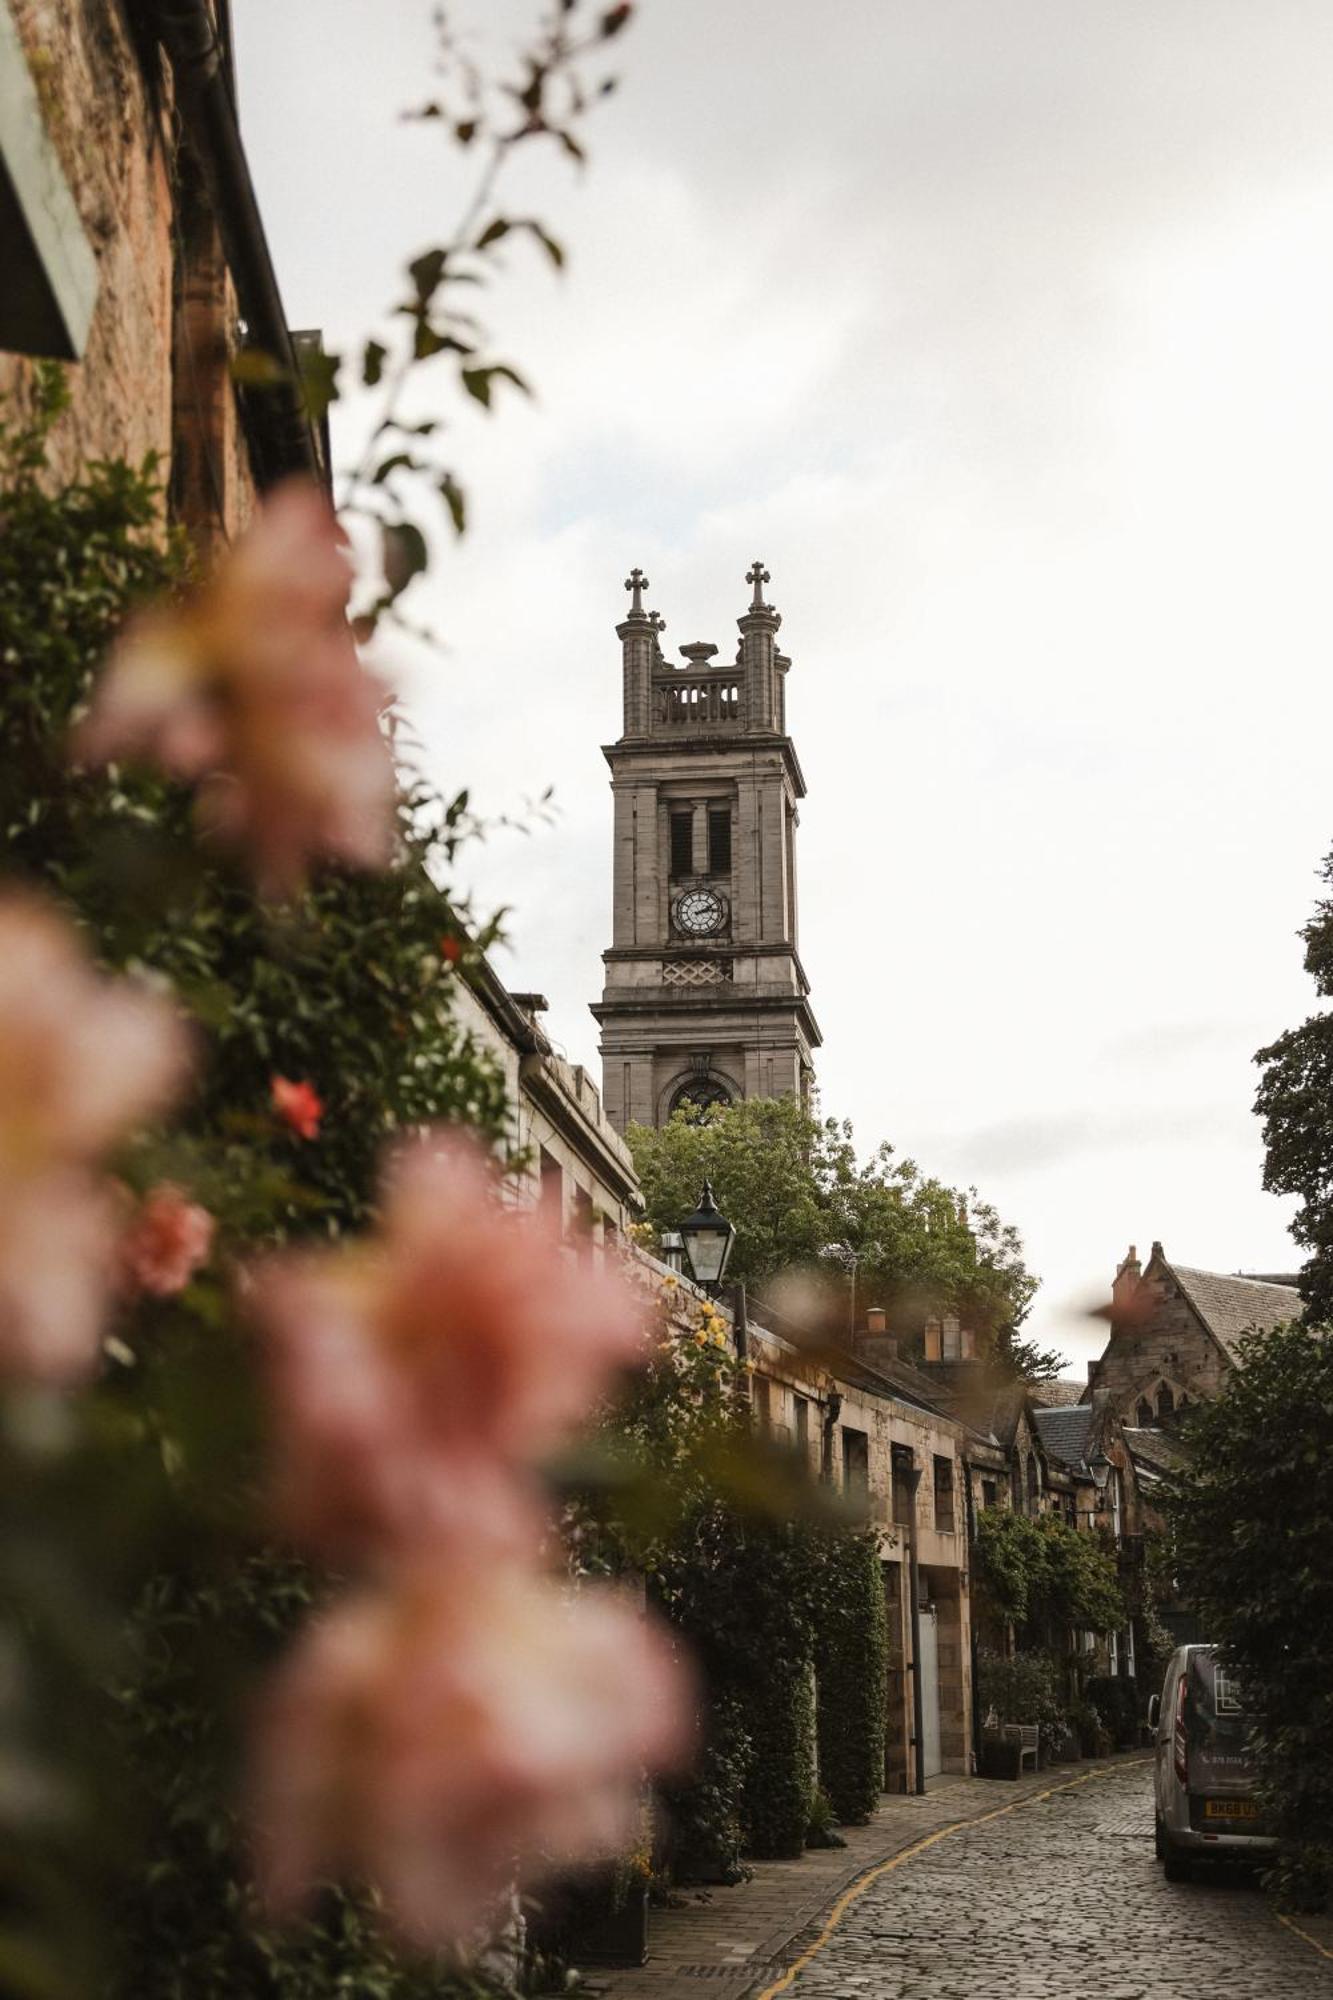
1205, 1776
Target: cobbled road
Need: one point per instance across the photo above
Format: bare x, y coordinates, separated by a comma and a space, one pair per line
1060, 1899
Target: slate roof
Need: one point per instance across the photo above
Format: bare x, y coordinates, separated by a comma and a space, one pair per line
1064, 1433
1058, 1395
1156, 1448
1230, 1307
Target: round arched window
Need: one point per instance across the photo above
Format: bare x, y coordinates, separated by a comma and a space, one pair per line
699, 1095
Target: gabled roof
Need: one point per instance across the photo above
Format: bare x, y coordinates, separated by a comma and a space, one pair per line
1064, 1433
1057, 1395
1156, 1448
1231, 1307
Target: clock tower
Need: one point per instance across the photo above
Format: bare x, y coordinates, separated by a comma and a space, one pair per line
705, 995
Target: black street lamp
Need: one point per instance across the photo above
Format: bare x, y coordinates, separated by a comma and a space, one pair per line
708, 1238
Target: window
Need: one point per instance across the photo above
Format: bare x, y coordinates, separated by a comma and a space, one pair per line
1016, 1486
944, 1523
989, 1493
551, 1195
682, 841
1034, 1486
902, 1486
801, 1411
1145, 1414
719, 840
763, 1402
582, 1222
855, 1460
1166, 1402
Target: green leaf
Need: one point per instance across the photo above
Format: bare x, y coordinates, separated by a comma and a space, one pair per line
477, 381
373, 358
395, 462
427, 272
455, 500
405, 554
494, 232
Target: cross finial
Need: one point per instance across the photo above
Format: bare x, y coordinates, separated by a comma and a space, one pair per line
758, 576
636, 582
657, 621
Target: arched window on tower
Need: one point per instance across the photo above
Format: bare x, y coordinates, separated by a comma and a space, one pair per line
1166, 1402
1146, 1414
699, 1094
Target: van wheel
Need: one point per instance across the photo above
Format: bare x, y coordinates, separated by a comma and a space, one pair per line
1174, 1866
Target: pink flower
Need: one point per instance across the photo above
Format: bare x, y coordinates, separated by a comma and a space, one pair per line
254, 687
298, 1105
419, 1376
82, 1060
430, 1735
168, 1241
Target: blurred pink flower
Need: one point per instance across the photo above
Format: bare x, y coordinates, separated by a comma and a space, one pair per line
419, 1376
431, 1735
299, 1105
254, 687
167, 1242
82, 1060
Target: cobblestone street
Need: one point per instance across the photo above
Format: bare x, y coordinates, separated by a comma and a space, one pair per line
1058, 1899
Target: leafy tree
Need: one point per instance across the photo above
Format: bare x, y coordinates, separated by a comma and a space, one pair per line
1251, 1517
1295, 1101
1045, 1577
800, 1198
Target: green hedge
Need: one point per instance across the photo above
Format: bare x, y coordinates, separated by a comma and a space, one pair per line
852, 1676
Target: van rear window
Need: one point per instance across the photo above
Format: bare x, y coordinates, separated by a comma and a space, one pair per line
1217, 1724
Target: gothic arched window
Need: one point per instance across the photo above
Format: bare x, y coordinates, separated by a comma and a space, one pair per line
1146, 1414
1166, 1401
1034, 1484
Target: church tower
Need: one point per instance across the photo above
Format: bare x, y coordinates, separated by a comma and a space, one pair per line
705, 995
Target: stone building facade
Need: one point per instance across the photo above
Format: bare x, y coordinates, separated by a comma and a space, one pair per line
571, 1161
705, 996
1176, 1333
131, 246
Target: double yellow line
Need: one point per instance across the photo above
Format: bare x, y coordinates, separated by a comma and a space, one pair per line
872, 1875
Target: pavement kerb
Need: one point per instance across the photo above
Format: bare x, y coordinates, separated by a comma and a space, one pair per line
862, 1882
1313, 1942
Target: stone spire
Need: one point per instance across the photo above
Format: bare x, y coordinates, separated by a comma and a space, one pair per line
640, 648
758, 656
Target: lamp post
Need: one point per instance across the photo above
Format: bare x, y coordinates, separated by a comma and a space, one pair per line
708, 1238
1099, 1465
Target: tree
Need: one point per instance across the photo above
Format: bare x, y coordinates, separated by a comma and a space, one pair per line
801, 1199
1295, 1101
1251, 1518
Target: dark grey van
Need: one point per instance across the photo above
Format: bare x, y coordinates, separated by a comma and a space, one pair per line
1205, 1776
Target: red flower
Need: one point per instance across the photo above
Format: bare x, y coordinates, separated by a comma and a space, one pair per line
451, 950
298, 1105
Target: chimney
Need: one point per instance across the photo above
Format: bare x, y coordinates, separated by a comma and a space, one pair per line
1126, 1281
934, 1340
876, 1345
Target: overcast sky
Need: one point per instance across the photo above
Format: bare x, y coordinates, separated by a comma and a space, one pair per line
1004, 334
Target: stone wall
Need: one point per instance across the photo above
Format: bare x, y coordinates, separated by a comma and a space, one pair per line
154, 376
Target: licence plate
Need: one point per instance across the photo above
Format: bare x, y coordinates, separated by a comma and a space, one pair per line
1230, 1809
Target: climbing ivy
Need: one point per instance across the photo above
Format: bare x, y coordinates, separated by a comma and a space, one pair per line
852, 1675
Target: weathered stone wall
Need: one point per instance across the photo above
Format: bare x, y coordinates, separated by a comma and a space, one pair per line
1156, 1337
155, 374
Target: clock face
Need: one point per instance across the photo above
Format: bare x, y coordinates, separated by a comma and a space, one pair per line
700, 912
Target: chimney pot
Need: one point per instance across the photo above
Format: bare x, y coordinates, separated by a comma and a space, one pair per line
876, 1319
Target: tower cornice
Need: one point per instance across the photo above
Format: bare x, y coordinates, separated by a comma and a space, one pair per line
729, 744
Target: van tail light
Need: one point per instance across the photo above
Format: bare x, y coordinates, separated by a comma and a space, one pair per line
1178, 1742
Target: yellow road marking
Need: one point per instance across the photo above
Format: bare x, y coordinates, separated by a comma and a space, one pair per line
863, 1882
1313, 1943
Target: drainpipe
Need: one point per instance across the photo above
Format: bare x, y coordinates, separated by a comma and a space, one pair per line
914, 1615
189, 35
832, 1411
740, 1319
971, 1622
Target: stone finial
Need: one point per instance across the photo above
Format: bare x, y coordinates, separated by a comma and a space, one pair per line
636, 582
699, 653
758, 576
